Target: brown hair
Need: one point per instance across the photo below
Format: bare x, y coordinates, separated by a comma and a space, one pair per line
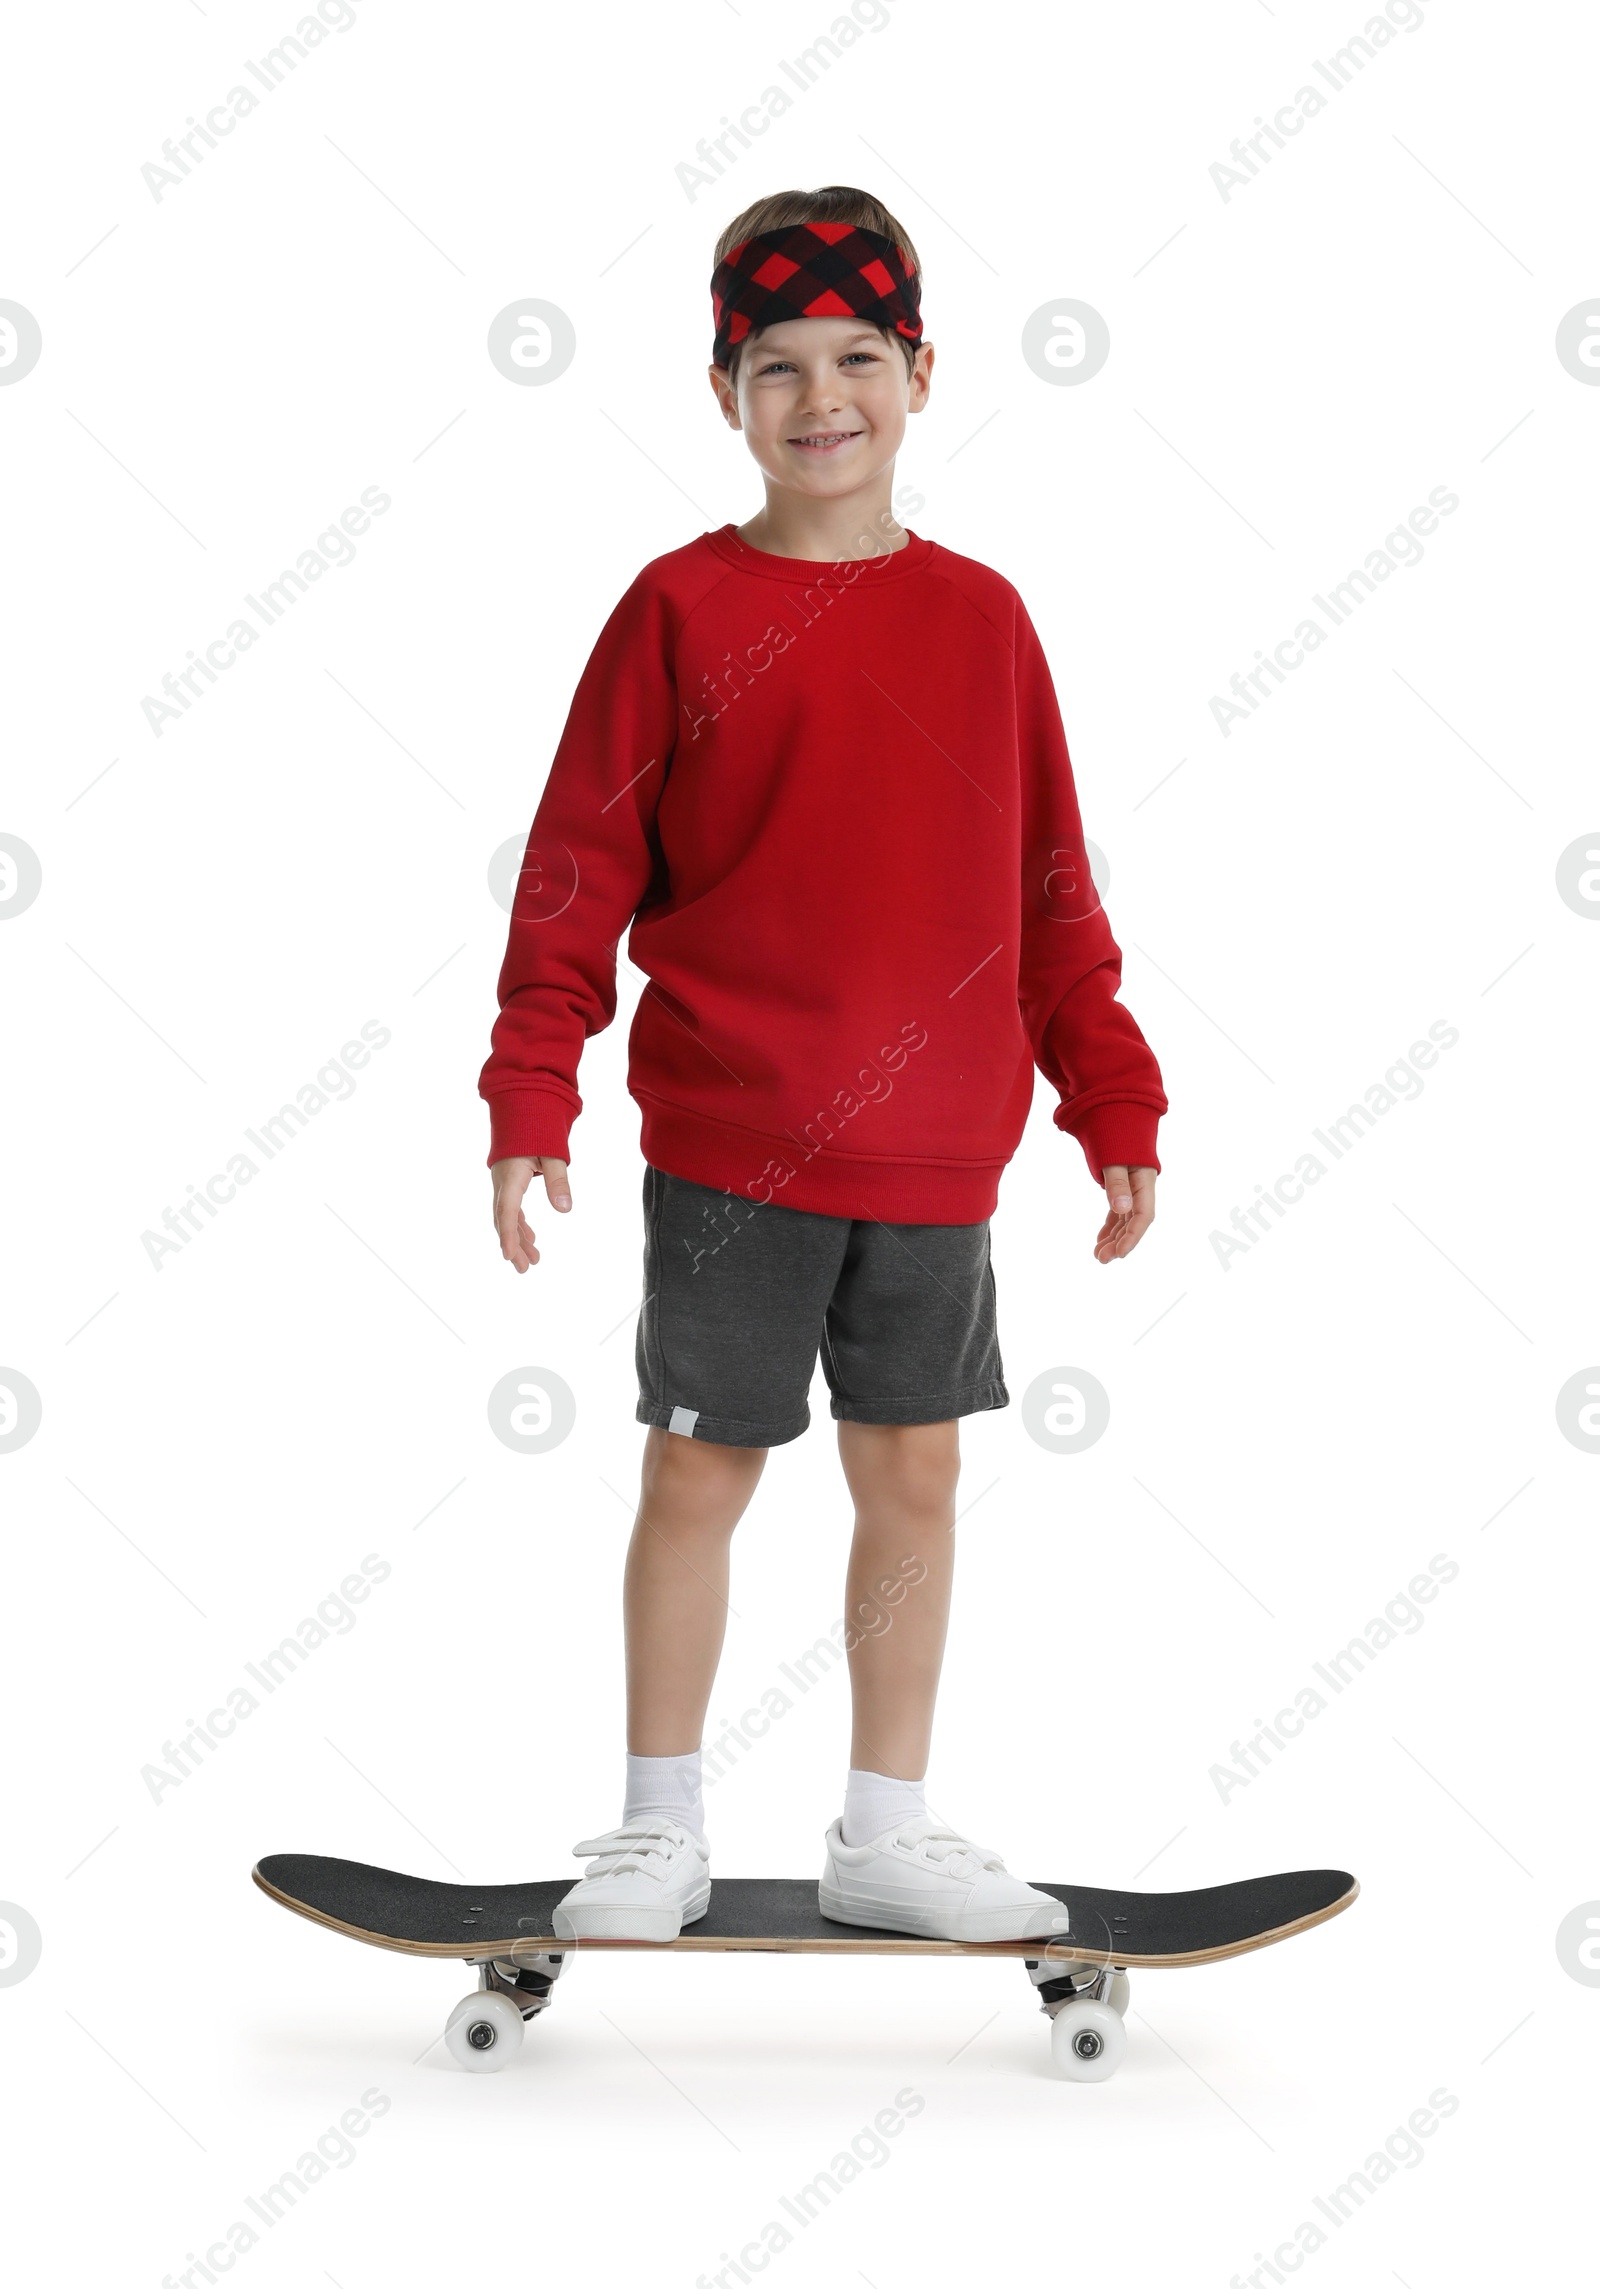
834, 203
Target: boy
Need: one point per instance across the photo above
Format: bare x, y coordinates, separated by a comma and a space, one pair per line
816, 761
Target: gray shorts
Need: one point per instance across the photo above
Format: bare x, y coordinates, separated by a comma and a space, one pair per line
738, 1295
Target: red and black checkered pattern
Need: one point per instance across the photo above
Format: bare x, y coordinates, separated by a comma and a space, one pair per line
812, 270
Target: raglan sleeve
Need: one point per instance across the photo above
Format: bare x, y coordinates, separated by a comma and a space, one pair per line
1070, 970
591, 856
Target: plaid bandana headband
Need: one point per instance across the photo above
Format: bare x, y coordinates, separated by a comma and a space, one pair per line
812, 270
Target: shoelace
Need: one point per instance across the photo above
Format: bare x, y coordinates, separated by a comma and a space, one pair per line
633, 1846
926, 1835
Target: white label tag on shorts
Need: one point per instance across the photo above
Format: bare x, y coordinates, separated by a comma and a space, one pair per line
684, 1420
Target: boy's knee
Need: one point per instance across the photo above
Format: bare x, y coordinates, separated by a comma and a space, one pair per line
917, 1464
702, 1464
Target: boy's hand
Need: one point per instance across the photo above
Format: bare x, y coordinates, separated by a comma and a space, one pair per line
1130, 1212
511, 1180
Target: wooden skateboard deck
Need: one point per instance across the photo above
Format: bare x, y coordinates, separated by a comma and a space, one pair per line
475, 1921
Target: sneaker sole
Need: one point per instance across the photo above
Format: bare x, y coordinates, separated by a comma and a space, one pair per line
937, 1923
629, 1921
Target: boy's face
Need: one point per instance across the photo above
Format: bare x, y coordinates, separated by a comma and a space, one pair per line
835, 381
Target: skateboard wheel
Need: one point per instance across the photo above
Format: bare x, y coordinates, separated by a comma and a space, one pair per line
1087, 2041
484, 2032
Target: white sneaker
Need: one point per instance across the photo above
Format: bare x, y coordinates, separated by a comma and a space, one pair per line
650, 1877
924, 1879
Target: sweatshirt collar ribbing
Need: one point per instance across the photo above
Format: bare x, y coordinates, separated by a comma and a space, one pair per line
874, 570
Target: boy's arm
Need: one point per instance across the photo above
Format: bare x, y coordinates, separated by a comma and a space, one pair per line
1084, 1042
590, 857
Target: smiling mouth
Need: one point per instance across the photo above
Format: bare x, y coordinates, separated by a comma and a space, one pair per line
825, 440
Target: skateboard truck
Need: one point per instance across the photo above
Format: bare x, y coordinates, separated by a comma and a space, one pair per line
485, 2029
1085, 2004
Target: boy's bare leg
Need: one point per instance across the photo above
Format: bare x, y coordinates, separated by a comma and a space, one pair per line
692, 1494
902, 1478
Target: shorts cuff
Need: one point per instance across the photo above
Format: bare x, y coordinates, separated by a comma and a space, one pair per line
720, 1430
976, 1399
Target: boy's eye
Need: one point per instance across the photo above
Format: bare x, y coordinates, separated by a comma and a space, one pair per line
784, 366
781, 365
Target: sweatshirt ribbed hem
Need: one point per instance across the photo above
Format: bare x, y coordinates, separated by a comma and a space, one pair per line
873, 563
529, 1124
824, 1183
1121, 1132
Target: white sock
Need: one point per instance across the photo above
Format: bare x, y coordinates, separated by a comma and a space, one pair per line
873, 1802
669, 1785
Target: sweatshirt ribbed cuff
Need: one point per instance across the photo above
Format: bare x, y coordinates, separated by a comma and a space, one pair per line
1118, 1136
528, 1124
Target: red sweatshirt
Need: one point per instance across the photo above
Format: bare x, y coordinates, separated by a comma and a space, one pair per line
835, 805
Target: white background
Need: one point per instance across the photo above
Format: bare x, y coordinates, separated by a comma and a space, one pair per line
1293, 369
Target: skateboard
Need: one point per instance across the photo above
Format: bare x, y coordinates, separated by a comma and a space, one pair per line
1081, 1979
